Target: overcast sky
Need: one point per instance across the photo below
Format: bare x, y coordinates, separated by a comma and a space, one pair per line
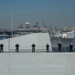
53, 12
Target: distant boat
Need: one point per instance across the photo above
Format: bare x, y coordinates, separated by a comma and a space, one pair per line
65, 35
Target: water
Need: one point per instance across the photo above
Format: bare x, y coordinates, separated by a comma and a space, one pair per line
4, 37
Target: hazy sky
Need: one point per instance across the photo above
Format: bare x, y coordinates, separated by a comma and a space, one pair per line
53, 12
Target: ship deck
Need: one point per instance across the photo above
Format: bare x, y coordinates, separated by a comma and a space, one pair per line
37, 63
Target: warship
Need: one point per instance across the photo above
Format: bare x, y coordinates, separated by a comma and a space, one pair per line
40, 62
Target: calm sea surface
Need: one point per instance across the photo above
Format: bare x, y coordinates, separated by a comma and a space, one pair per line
4, 37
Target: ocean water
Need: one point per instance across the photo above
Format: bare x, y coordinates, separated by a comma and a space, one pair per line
4, 37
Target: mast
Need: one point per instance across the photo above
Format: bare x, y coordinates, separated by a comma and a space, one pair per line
12, 19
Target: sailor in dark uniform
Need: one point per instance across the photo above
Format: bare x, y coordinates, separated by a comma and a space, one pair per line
33, 47
17, 47
47, 47
1, 47
71, 47
59, 46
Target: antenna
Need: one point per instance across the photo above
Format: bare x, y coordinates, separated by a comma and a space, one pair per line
12, 19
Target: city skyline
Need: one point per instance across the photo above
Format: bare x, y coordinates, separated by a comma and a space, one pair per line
55, 13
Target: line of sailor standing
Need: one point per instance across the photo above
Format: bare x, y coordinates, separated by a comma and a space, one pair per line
33, 47
47, 47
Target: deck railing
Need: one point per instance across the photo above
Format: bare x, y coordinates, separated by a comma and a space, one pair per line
54, 49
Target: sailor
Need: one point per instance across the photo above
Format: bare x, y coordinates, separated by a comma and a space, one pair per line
33, 47
1, 47
59, 46
71, 47
17, 47
47, 47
